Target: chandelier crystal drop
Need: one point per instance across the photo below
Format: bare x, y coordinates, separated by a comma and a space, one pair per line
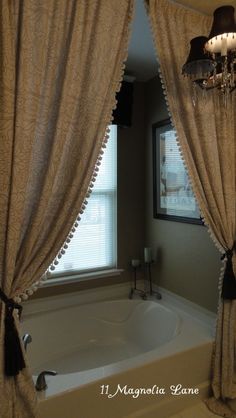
212, 61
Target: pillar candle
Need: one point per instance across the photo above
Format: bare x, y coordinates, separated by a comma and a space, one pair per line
147, 255
135, 263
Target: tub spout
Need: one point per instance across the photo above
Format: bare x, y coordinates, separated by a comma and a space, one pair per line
41, 381
26, 340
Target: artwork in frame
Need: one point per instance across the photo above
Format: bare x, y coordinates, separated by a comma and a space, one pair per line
173, 197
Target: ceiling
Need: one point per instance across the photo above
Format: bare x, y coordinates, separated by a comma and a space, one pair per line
142, 61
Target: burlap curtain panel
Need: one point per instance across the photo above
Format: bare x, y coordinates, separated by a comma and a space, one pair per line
61, 65
206, 134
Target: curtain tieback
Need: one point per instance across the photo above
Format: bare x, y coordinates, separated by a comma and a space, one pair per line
229, 280
13, 356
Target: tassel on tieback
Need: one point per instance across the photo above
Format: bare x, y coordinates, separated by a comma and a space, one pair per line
229, 280
13, 356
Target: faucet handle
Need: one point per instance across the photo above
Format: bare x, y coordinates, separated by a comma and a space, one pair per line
41, 381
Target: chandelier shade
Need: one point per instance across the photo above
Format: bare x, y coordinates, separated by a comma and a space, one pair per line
199, 64
222, 37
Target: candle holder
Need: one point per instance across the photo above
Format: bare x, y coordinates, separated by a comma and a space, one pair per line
136, 264
149, 275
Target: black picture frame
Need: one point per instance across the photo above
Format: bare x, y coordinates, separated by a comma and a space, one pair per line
173, 199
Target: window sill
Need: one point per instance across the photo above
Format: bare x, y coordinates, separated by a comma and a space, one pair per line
82, 277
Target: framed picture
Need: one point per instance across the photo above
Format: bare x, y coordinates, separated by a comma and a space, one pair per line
173, 198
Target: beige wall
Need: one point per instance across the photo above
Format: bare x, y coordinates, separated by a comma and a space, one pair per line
130, 199
131, 183
187, 260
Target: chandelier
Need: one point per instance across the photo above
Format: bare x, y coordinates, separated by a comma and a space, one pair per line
212, 61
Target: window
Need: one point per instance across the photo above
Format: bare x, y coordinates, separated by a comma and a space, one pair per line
93, 246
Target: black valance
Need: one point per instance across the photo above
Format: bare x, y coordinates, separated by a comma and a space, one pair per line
122, 115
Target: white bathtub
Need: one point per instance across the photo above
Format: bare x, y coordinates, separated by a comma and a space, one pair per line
94, 335
101, 340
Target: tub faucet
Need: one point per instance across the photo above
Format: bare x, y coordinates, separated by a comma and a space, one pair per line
41, 381
158, 295
26, 340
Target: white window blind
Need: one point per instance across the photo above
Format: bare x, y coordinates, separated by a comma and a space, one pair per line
93, 245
